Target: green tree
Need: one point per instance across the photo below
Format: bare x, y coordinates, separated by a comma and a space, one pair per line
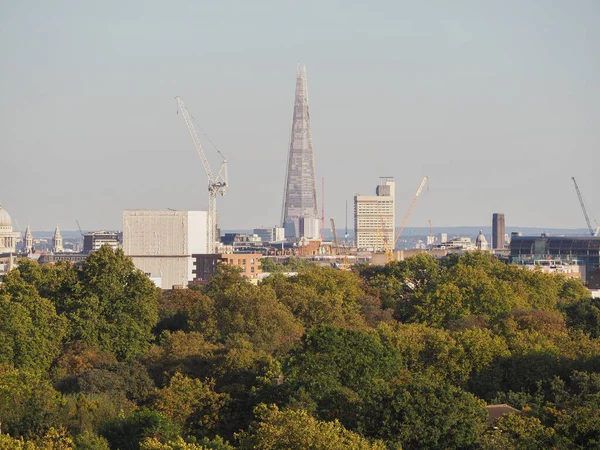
30, 329
127, 300
127, 433
418, 412
333, 366
584, 315
28, 404
252, 312
297, 430
192, 404
321, 296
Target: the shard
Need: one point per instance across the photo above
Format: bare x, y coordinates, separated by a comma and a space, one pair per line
300, 218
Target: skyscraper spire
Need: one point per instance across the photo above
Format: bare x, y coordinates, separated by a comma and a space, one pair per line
300, 217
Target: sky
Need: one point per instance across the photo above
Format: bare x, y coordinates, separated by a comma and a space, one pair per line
498, 102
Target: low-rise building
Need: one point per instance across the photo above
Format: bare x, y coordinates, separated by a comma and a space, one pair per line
92, 241
205, 266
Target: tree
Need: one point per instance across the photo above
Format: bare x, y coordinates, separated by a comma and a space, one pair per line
254, 313
180, 444
321, 296
28, 404
418, 412
334, 366
128, 433
30, 329
192, 404
297, 430
584, 315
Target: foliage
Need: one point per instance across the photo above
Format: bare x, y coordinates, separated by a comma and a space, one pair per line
321, 296
418, 412
297, 430
94, 357
30, 329
125, 433
192, 404
252, 312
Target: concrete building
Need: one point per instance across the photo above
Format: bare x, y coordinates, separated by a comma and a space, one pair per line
8, 237
205, 266
94, 240
300, 193
498, 231
558, 250
270, 234
161, 243
375, 217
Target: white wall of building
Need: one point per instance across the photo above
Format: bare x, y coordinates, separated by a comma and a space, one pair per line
161, 243
375, 219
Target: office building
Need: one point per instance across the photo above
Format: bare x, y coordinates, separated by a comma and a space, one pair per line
566, 250
161, 243
375, 217
270, 234
300, 193
498, 231
94, 240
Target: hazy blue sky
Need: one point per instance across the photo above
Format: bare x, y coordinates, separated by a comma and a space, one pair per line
498, 102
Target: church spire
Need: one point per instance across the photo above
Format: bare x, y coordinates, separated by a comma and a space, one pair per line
28, 241
57, 241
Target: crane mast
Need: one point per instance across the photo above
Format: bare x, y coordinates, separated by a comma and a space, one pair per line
587, 219
335, 236
412, 205
216, 183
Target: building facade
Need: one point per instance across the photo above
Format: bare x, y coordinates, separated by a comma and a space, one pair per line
161, 243
498, 231
300, 193
8, 237
375, 217
270, 234
562, 250
205, 266
94, 240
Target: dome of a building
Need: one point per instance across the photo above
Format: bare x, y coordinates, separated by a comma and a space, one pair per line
5, 220
481, 238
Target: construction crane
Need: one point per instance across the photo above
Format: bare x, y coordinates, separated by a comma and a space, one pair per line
587, 219
410, 208
335, 236
216, 183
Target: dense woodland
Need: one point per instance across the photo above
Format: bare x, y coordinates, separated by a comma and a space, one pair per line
401, 356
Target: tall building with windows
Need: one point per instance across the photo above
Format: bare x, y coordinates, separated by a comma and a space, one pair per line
300, 216
498, 230
375, 217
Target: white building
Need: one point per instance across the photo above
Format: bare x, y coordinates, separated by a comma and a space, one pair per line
270, 234
8, 237
375, 217
161, 243
92, 241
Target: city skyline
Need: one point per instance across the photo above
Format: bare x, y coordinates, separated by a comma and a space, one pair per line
499, 109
